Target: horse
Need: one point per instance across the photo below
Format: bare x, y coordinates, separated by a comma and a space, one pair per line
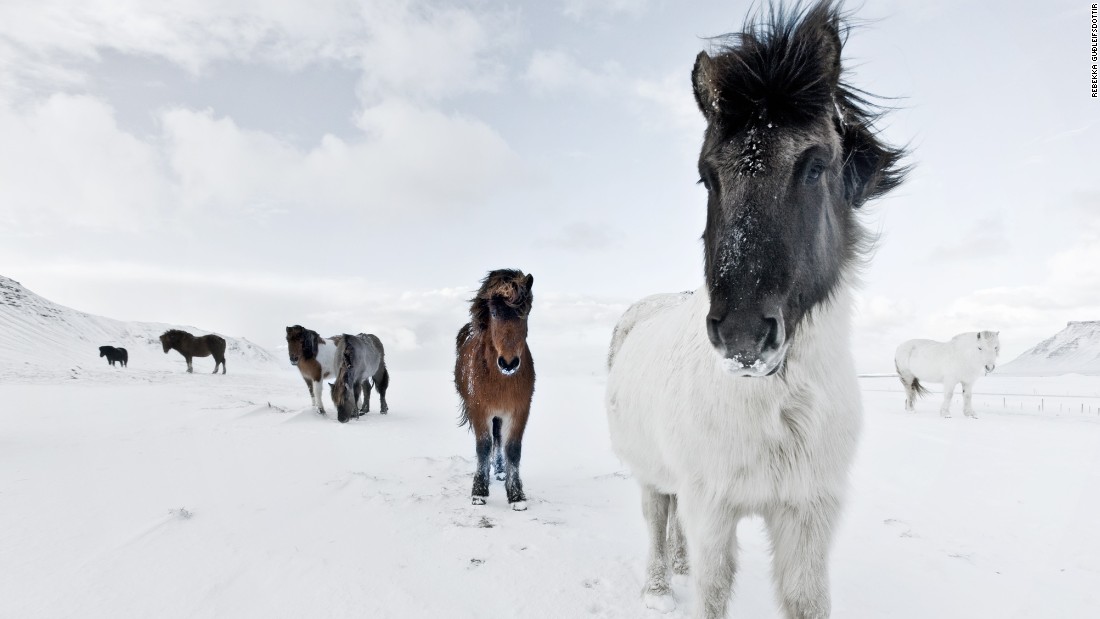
960, 360
315, 358
114, 355
190, 346
495, 379
741, 398
360, 360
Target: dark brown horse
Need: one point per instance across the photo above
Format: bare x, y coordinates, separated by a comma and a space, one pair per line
190, 346
495, 377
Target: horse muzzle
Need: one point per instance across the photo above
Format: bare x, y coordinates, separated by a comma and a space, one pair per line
507, 367
749, 344
989, 368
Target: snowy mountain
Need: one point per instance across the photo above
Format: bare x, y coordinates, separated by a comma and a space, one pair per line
1075, 349
38, 335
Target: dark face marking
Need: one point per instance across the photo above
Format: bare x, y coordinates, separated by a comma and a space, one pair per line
508, 334
786, 158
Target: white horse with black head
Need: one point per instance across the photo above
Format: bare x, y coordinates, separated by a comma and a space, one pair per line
741, 398
960, 361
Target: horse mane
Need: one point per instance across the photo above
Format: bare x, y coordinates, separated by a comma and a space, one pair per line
503, 290
775, 71
175, 334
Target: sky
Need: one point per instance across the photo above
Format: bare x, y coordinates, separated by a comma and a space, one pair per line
356, 166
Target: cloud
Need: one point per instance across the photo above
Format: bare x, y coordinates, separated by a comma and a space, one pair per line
583, 236
409, 48
579, 10
985, 238
556, 71
664, 102
66, 164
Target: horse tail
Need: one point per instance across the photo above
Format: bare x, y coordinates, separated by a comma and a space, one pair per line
919, 388
913, 384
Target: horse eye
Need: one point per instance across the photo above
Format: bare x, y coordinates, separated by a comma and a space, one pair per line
815, 172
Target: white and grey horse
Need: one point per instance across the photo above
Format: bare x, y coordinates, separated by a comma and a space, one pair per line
360, 360
741, 398
962, 360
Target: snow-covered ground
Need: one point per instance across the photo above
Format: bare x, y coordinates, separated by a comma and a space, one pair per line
150, 492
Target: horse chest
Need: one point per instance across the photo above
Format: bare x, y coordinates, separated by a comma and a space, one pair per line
676, 420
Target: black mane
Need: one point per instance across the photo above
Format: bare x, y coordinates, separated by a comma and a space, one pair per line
773, 71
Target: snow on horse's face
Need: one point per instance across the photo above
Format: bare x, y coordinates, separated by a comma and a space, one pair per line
784, 170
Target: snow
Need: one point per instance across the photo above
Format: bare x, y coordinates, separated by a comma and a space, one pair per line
150, 492
1074, 349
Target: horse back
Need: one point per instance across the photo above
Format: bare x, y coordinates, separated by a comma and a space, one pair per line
640, 312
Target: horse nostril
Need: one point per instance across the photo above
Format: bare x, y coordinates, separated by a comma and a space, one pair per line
713, 332
508, 366
771, 338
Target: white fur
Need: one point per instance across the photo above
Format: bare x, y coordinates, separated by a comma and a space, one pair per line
709, 448
961, 360
326, 356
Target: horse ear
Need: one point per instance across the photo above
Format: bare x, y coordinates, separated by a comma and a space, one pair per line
288, 330
870, 168
705, 86
530, 281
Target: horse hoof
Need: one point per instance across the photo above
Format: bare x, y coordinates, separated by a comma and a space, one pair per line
477, 500
519, 506
660, 602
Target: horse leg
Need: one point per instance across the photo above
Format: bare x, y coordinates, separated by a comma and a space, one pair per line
366, 397
800, 535
657, 594
513, 445
910, 392
356, 390
677, 545
383, 383
483, 445
318, 392
710, 528
498, 450
948, 391
309, 385
968, 408
190, 369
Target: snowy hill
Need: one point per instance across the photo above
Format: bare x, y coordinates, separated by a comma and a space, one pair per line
39, 336
1075, 349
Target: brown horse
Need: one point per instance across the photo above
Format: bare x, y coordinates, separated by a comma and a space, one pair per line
190, 346
495, 377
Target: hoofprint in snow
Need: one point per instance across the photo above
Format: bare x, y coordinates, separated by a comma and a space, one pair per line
176, 495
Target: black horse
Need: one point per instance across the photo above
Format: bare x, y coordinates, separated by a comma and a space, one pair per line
114, 355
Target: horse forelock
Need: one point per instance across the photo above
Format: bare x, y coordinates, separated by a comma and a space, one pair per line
784, 70
503, 289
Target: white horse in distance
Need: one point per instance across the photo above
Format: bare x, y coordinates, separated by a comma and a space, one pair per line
961, 360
